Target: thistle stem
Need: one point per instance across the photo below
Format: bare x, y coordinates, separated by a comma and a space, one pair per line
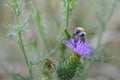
21, 45
67, 15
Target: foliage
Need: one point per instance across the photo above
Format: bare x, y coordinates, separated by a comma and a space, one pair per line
48, 62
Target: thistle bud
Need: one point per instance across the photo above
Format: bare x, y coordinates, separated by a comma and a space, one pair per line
48, 67
66, 70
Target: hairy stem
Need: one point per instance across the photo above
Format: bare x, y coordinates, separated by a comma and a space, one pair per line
21, 45
67, 15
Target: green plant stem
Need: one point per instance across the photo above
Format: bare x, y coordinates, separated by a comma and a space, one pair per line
17, 20
42, 34
35, 12
112, 8
104, 22
67, 15
20, 42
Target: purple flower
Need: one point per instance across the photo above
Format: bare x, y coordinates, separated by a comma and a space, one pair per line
79, 47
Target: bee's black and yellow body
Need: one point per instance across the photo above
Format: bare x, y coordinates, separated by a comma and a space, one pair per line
79, 34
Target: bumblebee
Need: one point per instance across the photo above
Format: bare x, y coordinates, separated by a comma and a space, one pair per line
79, 34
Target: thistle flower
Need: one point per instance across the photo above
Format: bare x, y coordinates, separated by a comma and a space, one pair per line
80, 47
68, 67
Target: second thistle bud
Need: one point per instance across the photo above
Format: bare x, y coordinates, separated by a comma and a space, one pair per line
48, 67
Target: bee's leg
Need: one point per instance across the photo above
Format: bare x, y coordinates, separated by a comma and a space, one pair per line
82, 39
75, 42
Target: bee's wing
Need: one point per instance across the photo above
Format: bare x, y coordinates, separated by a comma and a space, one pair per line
90, 32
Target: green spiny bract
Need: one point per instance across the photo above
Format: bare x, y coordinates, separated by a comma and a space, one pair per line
66, 70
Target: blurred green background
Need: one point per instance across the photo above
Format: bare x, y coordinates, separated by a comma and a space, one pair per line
86, 13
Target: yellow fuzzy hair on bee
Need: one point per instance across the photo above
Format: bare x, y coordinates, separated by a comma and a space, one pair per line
80, 28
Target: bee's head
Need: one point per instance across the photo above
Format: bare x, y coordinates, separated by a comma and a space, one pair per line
79, 33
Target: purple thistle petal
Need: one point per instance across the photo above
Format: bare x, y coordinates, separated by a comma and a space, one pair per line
81, 48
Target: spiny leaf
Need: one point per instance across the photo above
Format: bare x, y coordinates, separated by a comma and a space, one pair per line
40, 27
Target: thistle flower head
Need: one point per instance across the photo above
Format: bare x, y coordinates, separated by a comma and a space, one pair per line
79, 47
78, 44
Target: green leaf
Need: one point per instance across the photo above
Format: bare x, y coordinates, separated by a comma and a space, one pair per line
18, 76
40, 28
67, 34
